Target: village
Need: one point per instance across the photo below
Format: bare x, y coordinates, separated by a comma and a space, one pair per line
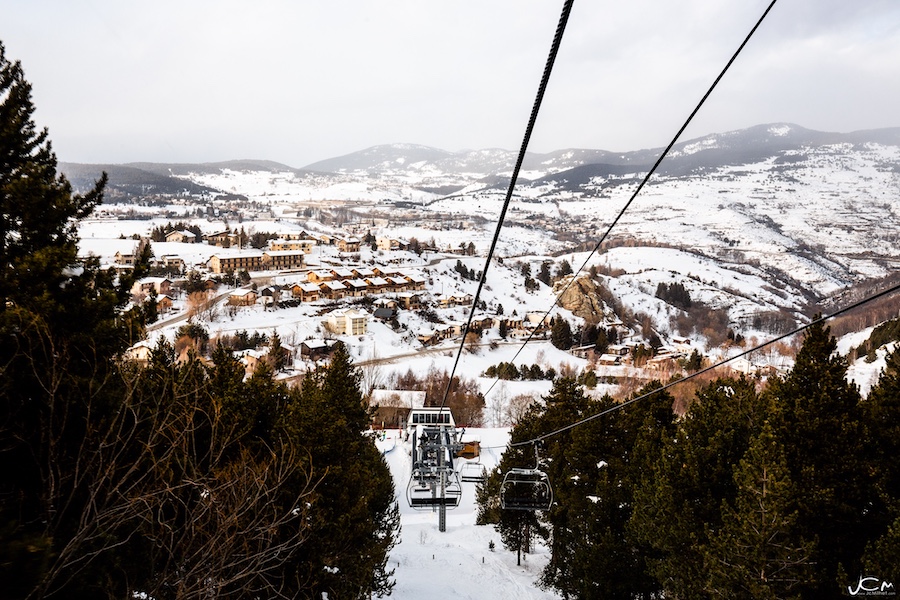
345, 285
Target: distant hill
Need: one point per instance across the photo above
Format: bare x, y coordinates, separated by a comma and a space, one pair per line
442, 172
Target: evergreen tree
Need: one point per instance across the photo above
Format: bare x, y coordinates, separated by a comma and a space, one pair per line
824, 436
561, 333
353, 515
681, 492
756, 553
882, 410
61, 324
544, 273
563, 269
598, 555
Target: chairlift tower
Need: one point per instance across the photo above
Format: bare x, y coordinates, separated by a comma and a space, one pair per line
434, 483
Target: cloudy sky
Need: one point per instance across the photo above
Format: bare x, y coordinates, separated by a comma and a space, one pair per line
297, 81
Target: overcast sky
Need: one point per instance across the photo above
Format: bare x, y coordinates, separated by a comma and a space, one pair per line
297, 81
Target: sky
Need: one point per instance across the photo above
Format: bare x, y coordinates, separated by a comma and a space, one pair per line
297, 81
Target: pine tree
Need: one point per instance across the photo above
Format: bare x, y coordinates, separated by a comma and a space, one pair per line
353, 514
62, 324
561, 333
882, 410
683, 486
756, 552
823, 431
595, 554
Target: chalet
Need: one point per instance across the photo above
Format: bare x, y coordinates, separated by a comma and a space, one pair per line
341, 273
618, 349
242, 298
306, 292
332, 290
378, 284
384, 313
160, 285
316, 349
347, 322
270, 294
139, 353
319, 276
363, 272
382, 271
350, 244
356, 288
609, 359
172, 262
397, 284
250, 359
393, 406
388, 243
415, 281
409, 300
180, 236
164, 303
223, 239
122, 258
582, 351
385, 303
241, 261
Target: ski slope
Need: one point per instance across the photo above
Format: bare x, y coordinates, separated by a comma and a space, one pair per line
457, 563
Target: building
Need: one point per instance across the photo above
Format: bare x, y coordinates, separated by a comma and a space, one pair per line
224, 239
299, 245
241, 261
242, 298
306, 292
181, 237
282, 260
332, 290
350, 244
347, 322
160, 285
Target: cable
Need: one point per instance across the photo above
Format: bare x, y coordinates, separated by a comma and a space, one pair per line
640, 187
821, 319
548, 67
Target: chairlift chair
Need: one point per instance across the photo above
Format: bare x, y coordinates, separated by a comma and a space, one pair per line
526, 489
473, 472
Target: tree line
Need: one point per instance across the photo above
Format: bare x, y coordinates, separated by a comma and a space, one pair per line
792, 491
175, 479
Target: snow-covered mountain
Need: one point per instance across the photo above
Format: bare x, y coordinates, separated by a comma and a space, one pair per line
807, 214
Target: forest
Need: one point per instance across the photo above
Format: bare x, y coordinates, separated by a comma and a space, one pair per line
170, 480
788, 490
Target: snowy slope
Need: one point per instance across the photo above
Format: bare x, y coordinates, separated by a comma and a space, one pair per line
457, 563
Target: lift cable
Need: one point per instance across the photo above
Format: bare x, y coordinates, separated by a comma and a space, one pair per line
820, 319
548, 67
640, 187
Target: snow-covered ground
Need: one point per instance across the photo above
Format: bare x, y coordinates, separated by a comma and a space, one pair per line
457, 563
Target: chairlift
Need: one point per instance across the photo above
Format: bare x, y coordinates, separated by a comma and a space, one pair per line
526, 489
424, 491
473, 472
432, 458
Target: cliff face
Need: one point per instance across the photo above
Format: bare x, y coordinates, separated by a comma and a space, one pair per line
582, 298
